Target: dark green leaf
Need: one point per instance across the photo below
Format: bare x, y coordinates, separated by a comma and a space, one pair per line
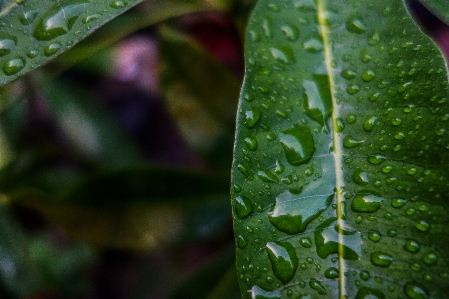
36, 31
342, 153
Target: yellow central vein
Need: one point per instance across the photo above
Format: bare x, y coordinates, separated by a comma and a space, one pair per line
337, 143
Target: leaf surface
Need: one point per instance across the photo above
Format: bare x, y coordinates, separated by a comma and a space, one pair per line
340, 178
35, 31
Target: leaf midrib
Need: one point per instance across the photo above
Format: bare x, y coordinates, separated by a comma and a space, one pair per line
336, 141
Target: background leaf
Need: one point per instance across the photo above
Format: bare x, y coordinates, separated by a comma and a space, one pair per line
340, 184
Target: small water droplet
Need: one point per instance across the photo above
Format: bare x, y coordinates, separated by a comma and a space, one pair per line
274, 7
331, 273
251, 143
298, 144
258, 293
374, 235
91, 18
368, 75
364, 275
52, 49
355, 25
32, 53
369, 293
317, 286
415, 291
352, 89
360, 177
430, 258
13, 66
313, 45
241, 242
381, 259
283, 54
283, 260
252, 116
267, 176
422, 225
305, 242
350, 142
367, 202
369, 123
290, 32
243, 206
348, 74
376, 159
118, 4
7, 45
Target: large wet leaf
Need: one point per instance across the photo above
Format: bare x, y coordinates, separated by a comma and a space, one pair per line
35, 31
340, 177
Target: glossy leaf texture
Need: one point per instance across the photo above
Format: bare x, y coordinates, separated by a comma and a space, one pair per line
340, 177
32, 32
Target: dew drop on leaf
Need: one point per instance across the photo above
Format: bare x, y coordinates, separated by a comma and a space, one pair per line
243, 206
283, 260
411, 246
318, 102
13, 66
313, 45
350, 142
317, 286
7, 45
59, 19
355, 25
298, 144
52, 49
422, 225
283, 54
258, 293
331, 273
376, 159
241, 242
291, 32
305, 242
429, 258
369, 123
117, 4
374, 235
414, 291
381, 259
369, 293
252, 116
267, 176
367, 202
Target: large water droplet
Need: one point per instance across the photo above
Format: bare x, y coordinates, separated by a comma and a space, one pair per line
298, 144
318, 101
283, 260
328, 236
355, 25
242, 206
366, 201
252, 116
415, 291
331, 273
59, 20
368, 293
13, 66
258, 293
267, 176
381, 259
283, 54
7, 45
293, 212
369, 123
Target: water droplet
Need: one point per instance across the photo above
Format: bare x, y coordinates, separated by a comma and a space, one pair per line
52, 49
374, 235
267, 176
411, 246
415, 291
368, 293
317, 286
13, 66
399, 135
290, 32
381, 259
350, 142
305, 242
283, 54
32, 53
91, 18
340, 125
369, 123
252, 116
298, 144
28, 17
396, 121
328, 236
59, 20
305, 5
313, 45
367, 202
241, 242
274, 7
355, 25
318, 102
368, 75
251, 143
331, 273
364, 275
387, 169
422, 225
403, 87
360, 177
398, 202
293, 212
352, 89
351, 118
243, 206
118, 4
430, 258
258, 293
348, 74
376, 159
365, 56
374, 40
283, 260
243, 169
267, 23
7, 45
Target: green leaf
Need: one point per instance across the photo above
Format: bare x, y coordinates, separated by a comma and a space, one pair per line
36, 31
440, 8
340, 177
202, 109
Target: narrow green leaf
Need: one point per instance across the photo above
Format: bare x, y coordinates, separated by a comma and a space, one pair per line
36, 31
440, 8
340, 178
202, 109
